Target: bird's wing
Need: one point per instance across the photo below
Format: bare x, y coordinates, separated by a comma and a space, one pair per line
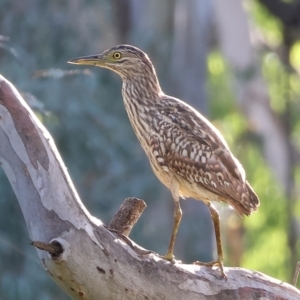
192, 147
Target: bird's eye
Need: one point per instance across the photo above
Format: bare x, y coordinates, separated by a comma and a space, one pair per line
117, 55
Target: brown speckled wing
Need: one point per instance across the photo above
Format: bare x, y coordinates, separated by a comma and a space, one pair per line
188, 145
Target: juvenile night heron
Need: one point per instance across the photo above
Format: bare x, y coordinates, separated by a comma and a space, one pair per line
186, 152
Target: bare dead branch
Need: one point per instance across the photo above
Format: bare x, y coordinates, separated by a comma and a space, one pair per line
128, 214
94, 262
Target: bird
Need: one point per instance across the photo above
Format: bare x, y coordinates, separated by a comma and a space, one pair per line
186, 151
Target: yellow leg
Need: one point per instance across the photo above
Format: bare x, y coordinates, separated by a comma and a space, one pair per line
219, 262
177, 219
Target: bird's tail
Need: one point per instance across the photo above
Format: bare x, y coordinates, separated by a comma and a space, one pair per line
248, 201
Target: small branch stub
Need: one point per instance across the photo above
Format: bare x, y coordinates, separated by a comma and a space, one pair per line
54, 248
128, 214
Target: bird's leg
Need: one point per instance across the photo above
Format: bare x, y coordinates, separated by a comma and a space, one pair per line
219, 262
177, 219
216, 220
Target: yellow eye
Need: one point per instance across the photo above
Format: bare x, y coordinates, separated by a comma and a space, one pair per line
117, 55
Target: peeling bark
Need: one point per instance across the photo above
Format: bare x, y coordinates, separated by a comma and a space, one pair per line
95, 263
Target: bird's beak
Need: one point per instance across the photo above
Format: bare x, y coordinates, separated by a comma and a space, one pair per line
94, 60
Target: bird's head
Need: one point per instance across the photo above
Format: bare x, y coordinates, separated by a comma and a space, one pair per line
125, 60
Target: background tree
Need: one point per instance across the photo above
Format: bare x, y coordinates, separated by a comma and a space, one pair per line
240, 67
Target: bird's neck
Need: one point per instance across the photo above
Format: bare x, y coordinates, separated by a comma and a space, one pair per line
140, 96
141, 89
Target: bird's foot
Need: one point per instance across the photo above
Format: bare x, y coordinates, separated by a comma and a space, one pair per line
211, 264
170, 257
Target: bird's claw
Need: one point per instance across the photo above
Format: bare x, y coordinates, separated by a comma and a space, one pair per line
211, 264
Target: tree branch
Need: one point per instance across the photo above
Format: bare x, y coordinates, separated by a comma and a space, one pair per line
128, 214
54, 248
93, 262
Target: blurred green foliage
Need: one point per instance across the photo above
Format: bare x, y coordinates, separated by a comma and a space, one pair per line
84, 113
269, 27
266, 231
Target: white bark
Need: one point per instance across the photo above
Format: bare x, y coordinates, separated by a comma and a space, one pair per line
95, 264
